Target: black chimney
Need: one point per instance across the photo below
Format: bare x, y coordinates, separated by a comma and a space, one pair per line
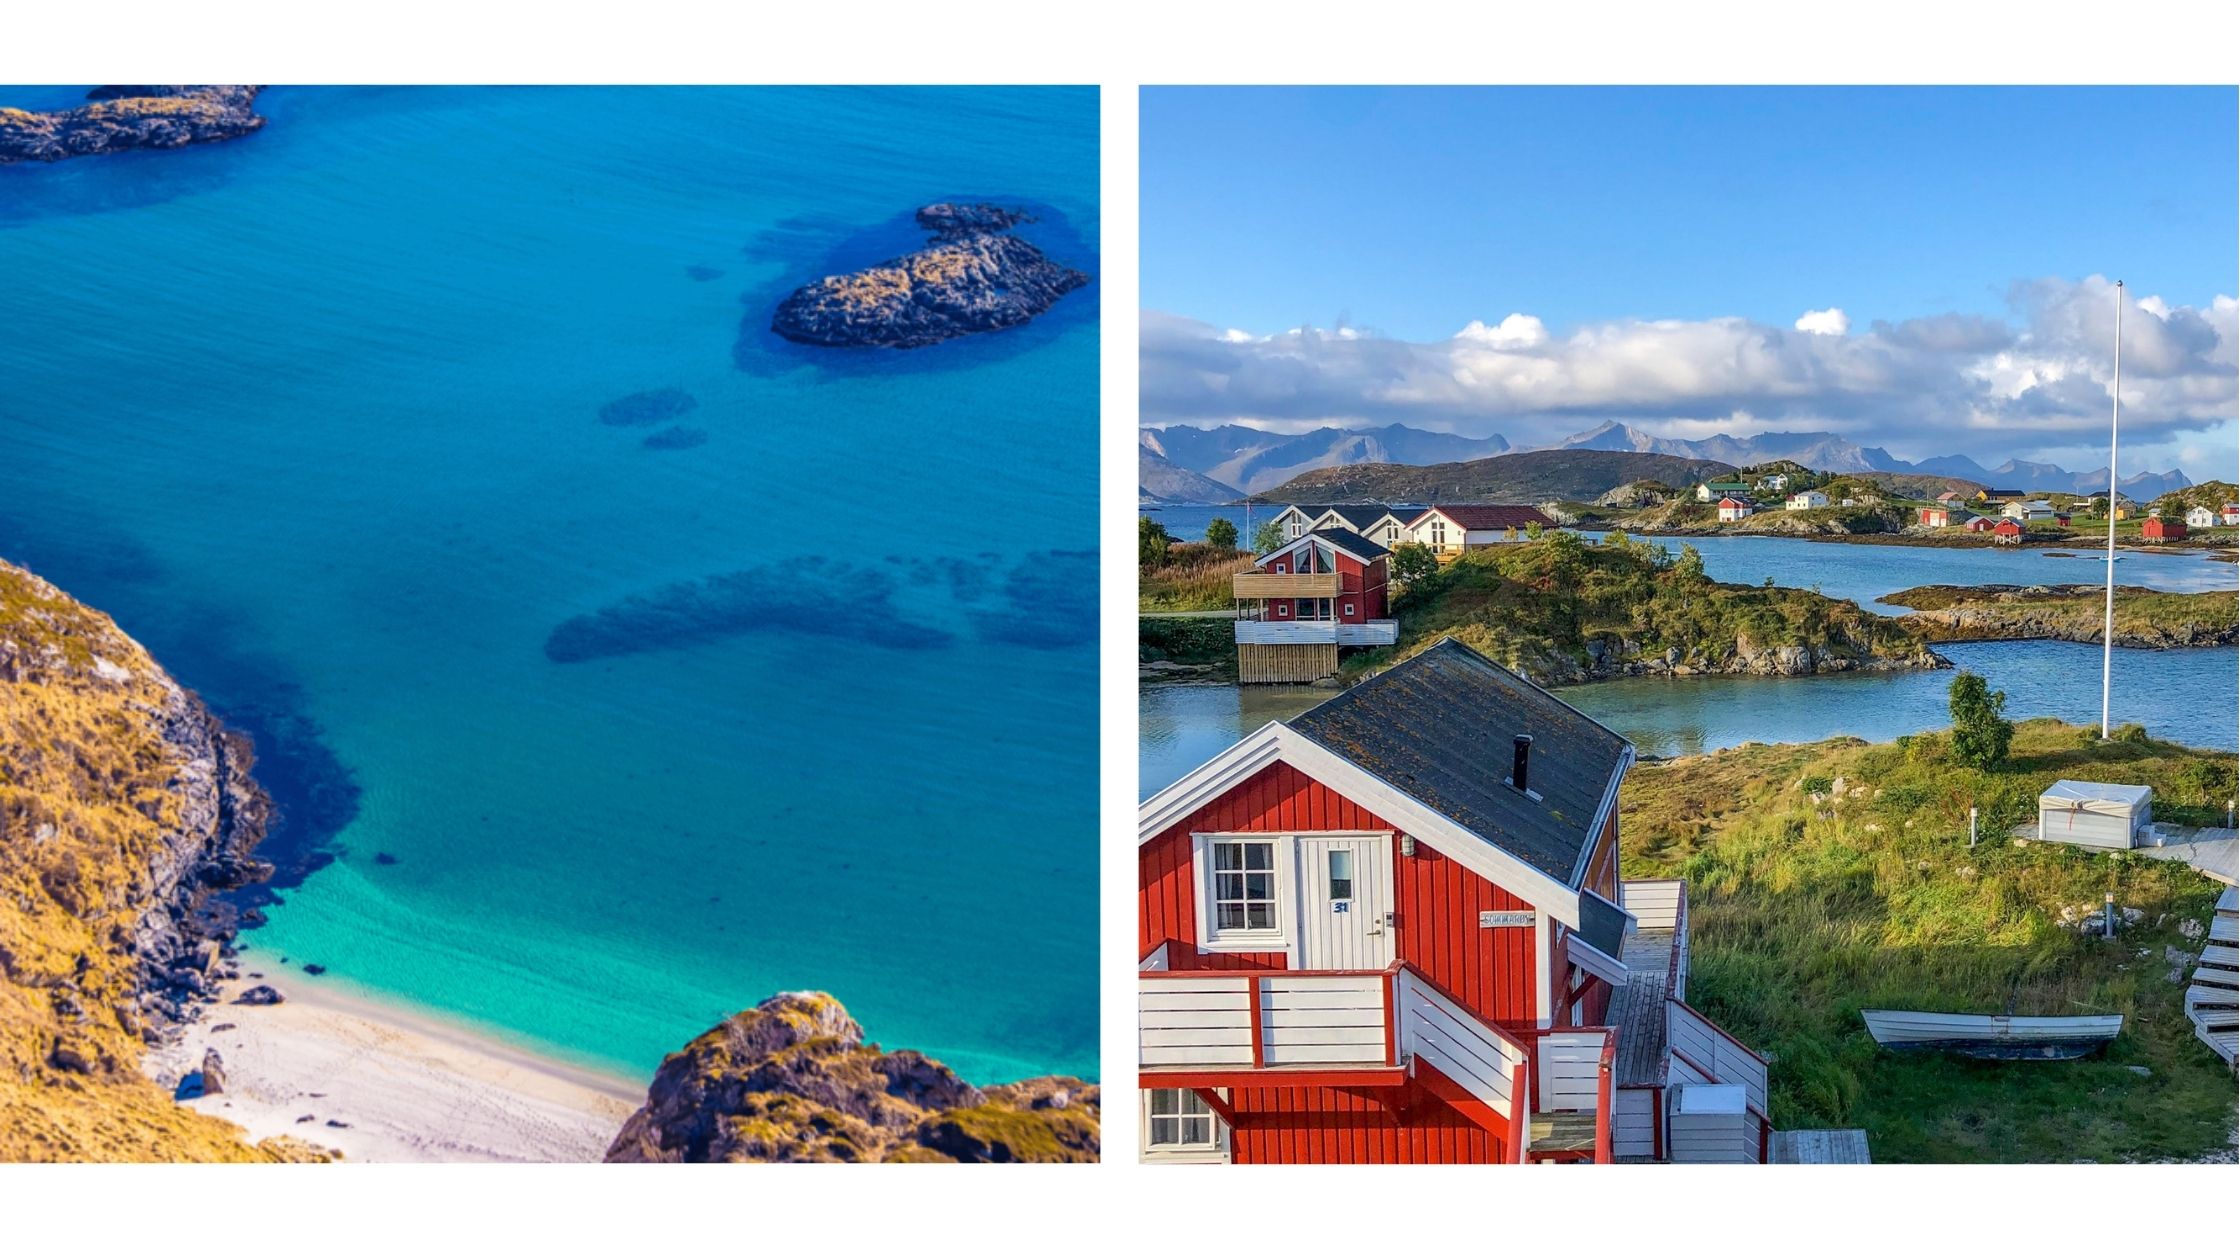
1524, 755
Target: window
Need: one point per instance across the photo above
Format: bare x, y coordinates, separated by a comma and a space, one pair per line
1341, 874
1283, 566
1438, 533
1244, 886
1349, 610
1180, 1127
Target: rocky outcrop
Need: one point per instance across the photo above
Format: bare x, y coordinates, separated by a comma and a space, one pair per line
2073, 613
136, 116
1612, 656
976, 277
125, 807
793, 1081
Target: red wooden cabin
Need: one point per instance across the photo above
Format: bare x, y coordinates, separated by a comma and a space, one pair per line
2163, 529
1320, 592
1393, 930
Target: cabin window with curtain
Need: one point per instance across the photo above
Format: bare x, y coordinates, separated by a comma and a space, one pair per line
1244, 886
1179, 1127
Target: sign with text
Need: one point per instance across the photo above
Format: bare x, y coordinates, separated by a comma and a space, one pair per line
1505, 918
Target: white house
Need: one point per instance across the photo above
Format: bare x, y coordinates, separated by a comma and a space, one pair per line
2028, 510
1774, 481
2229, 513
2200, 517
2095, 815
1804, 500
1734, 509
1456, 527
1354, 518
1712, 491
1297, 521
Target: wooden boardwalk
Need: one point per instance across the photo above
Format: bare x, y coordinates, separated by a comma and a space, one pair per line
2213, 994
2213, 851
1820, 1146
1637, 1010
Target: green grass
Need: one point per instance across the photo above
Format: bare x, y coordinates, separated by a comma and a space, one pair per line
1804, 911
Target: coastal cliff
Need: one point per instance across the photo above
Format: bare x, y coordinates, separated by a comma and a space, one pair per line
793, 1081
975, 277
134, 116
124, 806
2074, 613
1561, 610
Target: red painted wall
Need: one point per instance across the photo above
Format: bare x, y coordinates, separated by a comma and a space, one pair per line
1490, 971
1351, 1126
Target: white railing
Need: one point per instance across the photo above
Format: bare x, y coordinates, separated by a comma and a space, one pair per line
1467, 1050
1346, 634
1571, 1070
1369, 634
1708, 1049
1272, 1019
1661, 905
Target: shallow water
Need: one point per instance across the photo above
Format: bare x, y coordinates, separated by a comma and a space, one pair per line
316, 416
2186, 695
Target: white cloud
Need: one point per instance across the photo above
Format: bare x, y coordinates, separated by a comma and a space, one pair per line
1938, 384
1828, 323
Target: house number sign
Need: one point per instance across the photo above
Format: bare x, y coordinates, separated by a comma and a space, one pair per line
1504, 918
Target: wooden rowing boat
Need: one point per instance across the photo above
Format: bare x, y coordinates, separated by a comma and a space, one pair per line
1993, 1036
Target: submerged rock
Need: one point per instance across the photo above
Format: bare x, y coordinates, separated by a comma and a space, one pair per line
675, 438
974, 278
647, 407
812, 596
259, 995
135, 116
793, 1081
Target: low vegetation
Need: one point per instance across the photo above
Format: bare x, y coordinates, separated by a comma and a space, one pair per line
1826, 878
1188, 577
2076, 613
1561, 609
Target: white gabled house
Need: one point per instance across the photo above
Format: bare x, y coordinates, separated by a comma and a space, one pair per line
2200, 517
1804, 500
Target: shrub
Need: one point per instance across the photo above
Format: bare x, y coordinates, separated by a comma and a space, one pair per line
1222, 533
1980, 734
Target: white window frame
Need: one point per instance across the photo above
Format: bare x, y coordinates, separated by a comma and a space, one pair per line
1214, 1152
1285, 939
1349, 608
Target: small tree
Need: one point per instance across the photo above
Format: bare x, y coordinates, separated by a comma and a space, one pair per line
1266, 538
1980, 735
1689, 566
1222, 533
1412, 562
1151, 542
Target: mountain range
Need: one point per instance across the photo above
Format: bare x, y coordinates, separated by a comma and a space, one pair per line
1236, 456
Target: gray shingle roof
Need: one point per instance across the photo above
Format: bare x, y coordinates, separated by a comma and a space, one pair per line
1440, 726
1359, 515
1351, 543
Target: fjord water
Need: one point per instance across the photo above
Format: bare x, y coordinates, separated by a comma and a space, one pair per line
315, 416
2188, 695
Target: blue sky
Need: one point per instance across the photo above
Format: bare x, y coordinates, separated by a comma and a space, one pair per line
1414, 211
1927, 270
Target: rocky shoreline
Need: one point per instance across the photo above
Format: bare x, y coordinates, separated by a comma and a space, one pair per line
131, 116
2072, 613
976, 277
794, 1081
1607, 660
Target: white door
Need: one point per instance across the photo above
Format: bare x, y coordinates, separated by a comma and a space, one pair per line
1345, 902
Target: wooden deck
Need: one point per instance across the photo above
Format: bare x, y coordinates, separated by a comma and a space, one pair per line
1561, 1132
2213, 991
1638, 1009
1820, 1146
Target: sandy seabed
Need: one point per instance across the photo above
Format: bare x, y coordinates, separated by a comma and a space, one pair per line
382, 1084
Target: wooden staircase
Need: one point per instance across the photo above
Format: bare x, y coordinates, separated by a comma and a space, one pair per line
2213, 996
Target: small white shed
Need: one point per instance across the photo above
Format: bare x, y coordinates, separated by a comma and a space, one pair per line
2095, 815
1710, 1124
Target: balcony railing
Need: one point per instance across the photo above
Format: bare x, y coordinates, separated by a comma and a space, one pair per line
1344, 634
1247, 1021
1286, 585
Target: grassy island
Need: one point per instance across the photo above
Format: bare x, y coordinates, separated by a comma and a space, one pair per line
1560, 609
1828, 877
2144, 618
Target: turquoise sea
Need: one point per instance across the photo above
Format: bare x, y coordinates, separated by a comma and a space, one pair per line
317, 416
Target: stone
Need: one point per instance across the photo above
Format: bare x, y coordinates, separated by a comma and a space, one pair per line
117, 118
260, 995
213, 1072
974, 278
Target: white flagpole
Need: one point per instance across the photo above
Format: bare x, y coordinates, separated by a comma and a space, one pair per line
2108, 621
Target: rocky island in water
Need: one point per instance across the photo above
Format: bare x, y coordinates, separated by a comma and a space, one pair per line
130, 116
975, 277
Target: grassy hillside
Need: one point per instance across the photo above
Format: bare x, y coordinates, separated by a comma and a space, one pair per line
1525, 477
87, 799
2208, 494
1195, 577
1565, 610
1825, 878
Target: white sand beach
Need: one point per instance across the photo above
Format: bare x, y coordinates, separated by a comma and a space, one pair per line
380, 1084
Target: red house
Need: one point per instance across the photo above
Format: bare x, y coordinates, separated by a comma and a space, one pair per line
1306, 599
2163, 529
1979, 525
2007, 531
1936, 517
1393, 930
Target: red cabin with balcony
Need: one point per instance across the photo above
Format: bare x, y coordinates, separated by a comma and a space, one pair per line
1393, 930
1305, 600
